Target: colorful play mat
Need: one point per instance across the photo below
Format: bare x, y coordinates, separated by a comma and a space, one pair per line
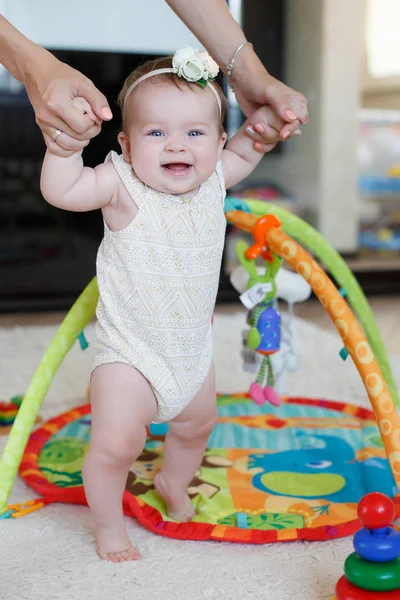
268, 475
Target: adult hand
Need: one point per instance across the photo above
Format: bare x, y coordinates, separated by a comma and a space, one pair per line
255, 87
51, 89
264, 128
212, 24
65, 145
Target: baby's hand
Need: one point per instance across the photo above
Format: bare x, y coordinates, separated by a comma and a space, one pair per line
64, 145
84, 107
264, 125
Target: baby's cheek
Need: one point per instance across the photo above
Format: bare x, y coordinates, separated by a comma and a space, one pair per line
145, 161
144, 154
210, 155
207, 163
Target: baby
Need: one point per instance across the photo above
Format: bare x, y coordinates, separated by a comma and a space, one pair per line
158, 269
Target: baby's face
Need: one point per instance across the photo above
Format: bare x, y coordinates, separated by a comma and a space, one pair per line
173, 139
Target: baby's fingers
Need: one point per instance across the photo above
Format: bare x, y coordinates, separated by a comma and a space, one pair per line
263, 133
84, 108
263, 148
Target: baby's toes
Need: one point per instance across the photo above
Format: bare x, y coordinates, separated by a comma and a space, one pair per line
131, 554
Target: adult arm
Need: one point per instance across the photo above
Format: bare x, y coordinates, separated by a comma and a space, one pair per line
51, 85
212, 23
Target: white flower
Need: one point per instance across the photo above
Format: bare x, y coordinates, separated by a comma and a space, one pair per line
211, 66
187, 63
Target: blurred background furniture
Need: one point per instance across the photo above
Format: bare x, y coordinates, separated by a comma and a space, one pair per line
324, 48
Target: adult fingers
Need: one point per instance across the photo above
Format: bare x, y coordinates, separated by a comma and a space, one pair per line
288, 104
55, 148
271, 119
284, 130
69, 116
62, 144
290, 129
295, 107
90, 133
300, 107
49, 122
67, 142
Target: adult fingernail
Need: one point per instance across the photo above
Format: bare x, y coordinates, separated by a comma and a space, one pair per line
297, 132
286, 135
106, 112
290, 114
250, 130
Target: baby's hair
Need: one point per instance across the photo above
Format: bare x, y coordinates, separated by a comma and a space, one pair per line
180, 82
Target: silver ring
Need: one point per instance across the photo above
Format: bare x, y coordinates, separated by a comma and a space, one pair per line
56, 134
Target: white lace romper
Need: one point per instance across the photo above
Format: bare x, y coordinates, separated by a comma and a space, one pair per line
158, 281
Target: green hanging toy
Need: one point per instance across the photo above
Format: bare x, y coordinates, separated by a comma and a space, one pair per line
264, 319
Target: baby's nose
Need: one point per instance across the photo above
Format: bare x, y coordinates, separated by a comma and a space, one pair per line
174, 144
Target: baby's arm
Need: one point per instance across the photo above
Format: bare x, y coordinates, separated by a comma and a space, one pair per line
239, 158
67, 184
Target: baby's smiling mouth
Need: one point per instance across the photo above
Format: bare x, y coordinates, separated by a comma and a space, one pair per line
176, 168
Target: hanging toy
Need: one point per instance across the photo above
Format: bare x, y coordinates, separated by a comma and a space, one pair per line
264, 319
291, 288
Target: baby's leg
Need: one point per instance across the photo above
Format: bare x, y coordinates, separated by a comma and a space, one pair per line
123, 404
185, 444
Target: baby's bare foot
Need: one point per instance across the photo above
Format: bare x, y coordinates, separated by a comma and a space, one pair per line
130, 553
179, 506
114, 546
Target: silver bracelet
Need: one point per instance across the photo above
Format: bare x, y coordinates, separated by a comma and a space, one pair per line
229, 66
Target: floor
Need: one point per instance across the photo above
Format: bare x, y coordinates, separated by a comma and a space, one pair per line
53, 550
385, 309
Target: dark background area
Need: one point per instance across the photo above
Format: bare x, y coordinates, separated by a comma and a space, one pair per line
47, 256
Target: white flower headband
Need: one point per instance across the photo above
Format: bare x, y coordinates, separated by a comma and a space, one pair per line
194, 66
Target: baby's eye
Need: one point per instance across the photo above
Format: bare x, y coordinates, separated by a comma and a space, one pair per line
195, 133
155, 133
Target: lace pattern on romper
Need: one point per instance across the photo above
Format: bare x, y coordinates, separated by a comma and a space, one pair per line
158, 280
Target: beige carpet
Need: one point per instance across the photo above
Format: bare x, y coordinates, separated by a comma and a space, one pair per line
50, 554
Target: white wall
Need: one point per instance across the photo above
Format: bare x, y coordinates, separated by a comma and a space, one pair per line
319, 168
341, 91
147, 26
